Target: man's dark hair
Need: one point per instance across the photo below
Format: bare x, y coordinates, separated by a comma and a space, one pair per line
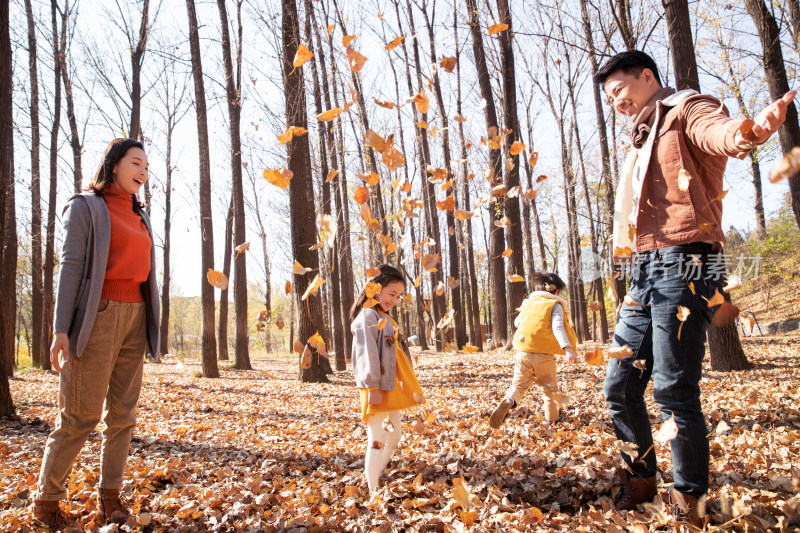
630, 62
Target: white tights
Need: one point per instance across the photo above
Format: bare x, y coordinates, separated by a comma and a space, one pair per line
380, 444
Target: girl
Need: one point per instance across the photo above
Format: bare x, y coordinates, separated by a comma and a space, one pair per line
106, 315
542, 331
382, 369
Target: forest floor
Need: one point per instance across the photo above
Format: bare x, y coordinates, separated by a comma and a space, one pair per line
259, 451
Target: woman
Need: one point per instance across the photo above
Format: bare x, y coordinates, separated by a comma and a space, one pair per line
106, 316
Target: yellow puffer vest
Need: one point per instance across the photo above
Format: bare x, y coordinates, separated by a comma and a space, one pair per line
535, 330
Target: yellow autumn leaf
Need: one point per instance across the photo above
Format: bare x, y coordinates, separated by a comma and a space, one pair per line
497, 28
461, 493
381, 324
620, 352
371, 302
387, 105
332, 174
313, 287
217, 279
347, 39
507, 252
280, 177
516, 148
330, 28
594, 357
375, 141
515, 278
534, 157
460, 214
300, 270
372, 272
303, 54
394, 43
469, 348
329, 115
361, 195
242, 248
370, 177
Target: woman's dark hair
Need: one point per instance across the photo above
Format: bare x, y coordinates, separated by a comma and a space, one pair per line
387, 275
115, 151
630, 62
547, 281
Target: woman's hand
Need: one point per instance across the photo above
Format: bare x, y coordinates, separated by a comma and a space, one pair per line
572, 357
60, 345
375, 397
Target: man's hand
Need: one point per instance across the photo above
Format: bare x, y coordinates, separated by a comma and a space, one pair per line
60, 345
572, 357
766, 123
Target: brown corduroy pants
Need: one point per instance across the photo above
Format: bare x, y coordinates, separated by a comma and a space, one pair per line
102, 384
538, 367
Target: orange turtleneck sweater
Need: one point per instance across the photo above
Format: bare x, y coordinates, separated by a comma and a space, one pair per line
129, 253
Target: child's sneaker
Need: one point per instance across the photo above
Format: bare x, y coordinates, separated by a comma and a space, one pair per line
500, 413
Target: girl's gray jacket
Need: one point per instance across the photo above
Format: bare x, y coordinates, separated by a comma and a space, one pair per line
374, 360
84, 258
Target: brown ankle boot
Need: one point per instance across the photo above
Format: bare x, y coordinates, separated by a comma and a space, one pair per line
683, 508
48, 513
634, 491
111, 507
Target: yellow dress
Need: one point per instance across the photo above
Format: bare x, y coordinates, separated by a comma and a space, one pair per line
407, 391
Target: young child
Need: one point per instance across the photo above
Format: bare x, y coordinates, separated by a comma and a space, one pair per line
543, 329
383, 371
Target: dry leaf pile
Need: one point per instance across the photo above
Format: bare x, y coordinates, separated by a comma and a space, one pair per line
259, 451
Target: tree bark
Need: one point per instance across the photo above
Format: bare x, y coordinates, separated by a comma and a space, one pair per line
8, 224
210, 368
166, 275
137, 60
74, 137
679, 26
38, 349
233, 87
222, 328
301, 192
778, 84
500, 324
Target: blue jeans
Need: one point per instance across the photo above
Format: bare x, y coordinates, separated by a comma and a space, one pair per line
672, 351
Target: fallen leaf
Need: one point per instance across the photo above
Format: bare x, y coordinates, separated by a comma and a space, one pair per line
355, 60
461, 493
280, 177
448, 63
303, 54
394, 43
361, 195
347, 39
217, 279
516, 148
329, 115
497, 28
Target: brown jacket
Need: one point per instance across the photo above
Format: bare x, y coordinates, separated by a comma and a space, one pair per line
696, 135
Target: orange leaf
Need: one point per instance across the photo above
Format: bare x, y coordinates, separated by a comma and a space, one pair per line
746, 130
288, 287
448, 204
355, 60
394, 43
370, 177
372, 302
460, 214
217, 279
303, 54
507, 252
330, 28
515, 278
541, 178
242, 248
375, 141
422, 101
468, 517
469, 348
313, 287
530, 194
516, 148
387, 105
332, 174
347, 39
594, 357
448, 63
461, 493
422, 124
533, 159
329, 115
280, 177
361, 196
497, 28
429, 262
460, 118
372, 272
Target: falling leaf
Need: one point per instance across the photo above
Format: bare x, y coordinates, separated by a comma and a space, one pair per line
371, 302
667, 431
347, 39
683, 314
372, 288
516, 148
328, 224
497, 28
330, 28
361, 195
299, 270
717, 299
628, 448
541, 178
463, 215
375, 141
439, 288
530, 194
452, 282
630, 301
461, 493
291, 132
507, 252
683, 180
429, 262
421, 100
448, 204
313, 287
306, 359
298, 346
468, 348
242, 248
534, 157
279, 177
446, 319
387, 105
786, 166
594, 357
394, 43
746, 131
448, 63
721, 195
329, 115
279, 323
381, 324
515, 278
459, 118
370, 177
331, 174
499, 191
217, 279
355, 60
620, 352
303, 54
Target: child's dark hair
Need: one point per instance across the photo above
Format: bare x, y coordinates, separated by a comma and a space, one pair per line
387, 275
629, 62
547, 281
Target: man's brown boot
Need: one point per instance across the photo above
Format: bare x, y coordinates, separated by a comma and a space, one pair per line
110, 506
634, 491
48, 513
683, 508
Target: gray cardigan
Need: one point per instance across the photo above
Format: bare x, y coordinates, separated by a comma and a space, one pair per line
374, 356
84, 258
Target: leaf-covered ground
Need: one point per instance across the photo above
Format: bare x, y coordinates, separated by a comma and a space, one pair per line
258, 451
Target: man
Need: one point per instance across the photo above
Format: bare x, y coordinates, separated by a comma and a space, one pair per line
667, 216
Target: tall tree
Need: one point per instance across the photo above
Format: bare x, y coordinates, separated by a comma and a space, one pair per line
222, 318
681, 44
778, 84
74, 136
137, 51
494, 254
209, 349
301, 196
233, 91
38, 350
8, 219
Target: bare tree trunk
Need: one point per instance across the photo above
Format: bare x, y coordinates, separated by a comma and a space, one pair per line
137, 60
38, 350
222, 331
500, 324
516, 264
8, 224
679, 25
778, 83
794, 20
210, 368
74, 137
301, 193
166, 276
233, 87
